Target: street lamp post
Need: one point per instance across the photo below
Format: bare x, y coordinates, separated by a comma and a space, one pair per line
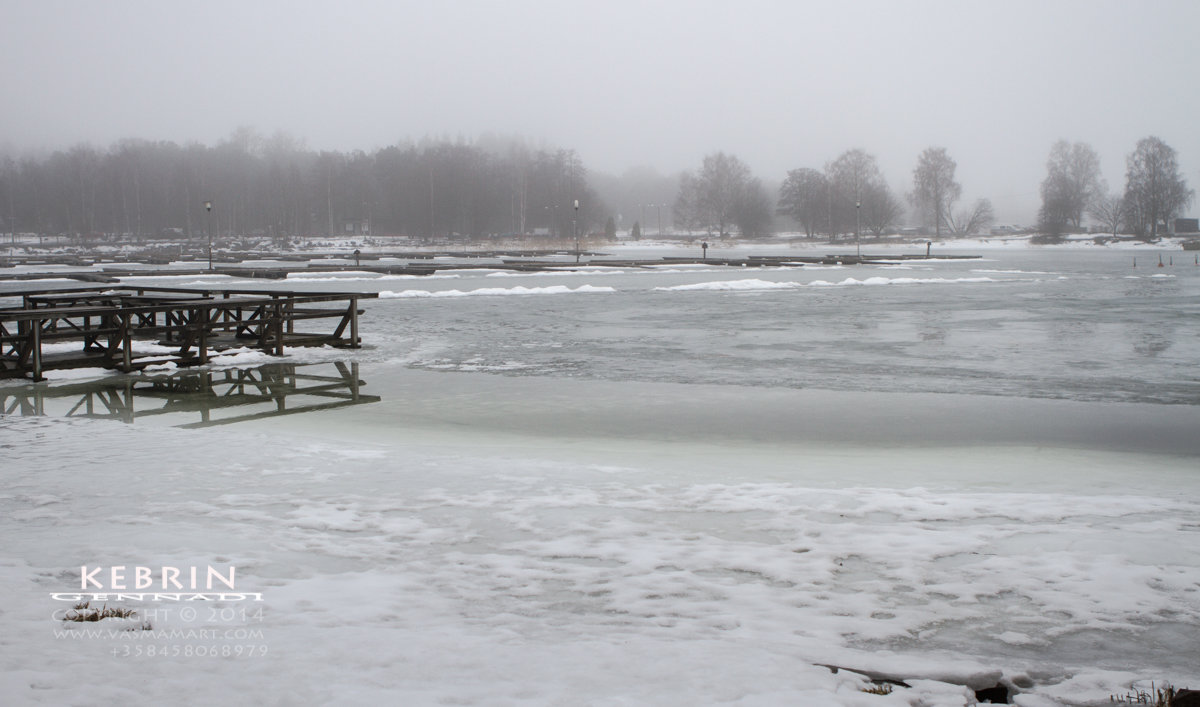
857, 227
575, 229
208, 209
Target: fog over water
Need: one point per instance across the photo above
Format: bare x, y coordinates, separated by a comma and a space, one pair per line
782, 85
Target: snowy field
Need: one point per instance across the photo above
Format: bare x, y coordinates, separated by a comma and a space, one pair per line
574, 492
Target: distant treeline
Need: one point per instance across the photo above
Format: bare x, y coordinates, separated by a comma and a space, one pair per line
500, 186
276, 187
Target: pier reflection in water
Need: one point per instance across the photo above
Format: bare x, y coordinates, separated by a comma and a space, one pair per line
198, 398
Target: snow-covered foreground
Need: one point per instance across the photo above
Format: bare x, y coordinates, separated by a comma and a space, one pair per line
480, 540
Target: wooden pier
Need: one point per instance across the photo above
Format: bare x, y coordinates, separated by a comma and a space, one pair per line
101, 326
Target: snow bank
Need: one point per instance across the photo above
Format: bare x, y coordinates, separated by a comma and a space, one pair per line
552, 273
872, 281
327, 275
363, 277
45, 280
241, 357
496, 291
733, 285
754, 284
65, 374
194, 276
1014, 272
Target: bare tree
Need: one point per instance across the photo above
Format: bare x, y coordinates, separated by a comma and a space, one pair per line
1111, 211
804, 196
1072, 182
753, 213
1154, 187
934, 189
688, 213
710, 200
973, 220
850, 177
8, 179
881, 210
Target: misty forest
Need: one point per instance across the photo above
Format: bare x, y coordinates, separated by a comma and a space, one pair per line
444, 189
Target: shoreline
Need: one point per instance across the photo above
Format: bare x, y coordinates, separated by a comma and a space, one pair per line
788, 240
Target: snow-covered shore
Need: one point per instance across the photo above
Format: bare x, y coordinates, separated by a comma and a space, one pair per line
782, 242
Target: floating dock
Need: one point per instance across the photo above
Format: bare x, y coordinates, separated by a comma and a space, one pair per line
101, 327
418, 263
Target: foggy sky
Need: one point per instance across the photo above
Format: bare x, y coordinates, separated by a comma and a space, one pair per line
780, 84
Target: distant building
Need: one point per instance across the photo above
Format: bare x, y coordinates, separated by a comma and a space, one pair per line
357, 227
1186, 225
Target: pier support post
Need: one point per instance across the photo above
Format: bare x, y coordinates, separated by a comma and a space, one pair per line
35, 351
200, 320
126, 342
277, 325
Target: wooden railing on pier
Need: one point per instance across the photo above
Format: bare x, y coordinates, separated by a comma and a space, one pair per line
193, 323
